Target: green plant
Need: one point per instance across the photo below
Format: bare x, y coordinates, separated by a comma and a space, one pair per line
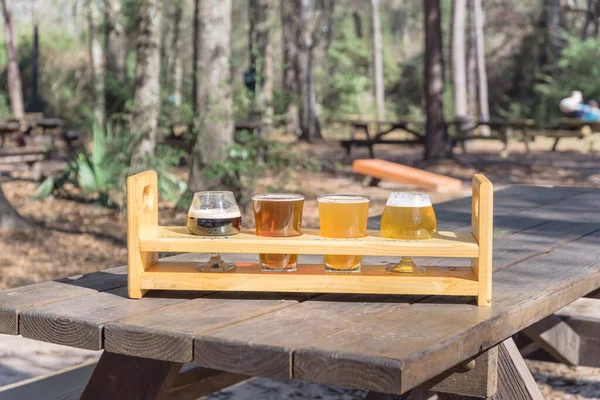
251, 158
100, 175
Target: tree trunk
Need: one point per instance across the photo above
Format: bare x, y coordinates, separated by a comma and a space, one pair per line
9, 217
176, 67
378, 60
97, 63
289, 34
214, 110
115, 40
146, 102
195, 53
309, 122
15, 88
459, 74
484, 108
553, 32
436, 140
35, 104
261, 17
589, 14
472, 63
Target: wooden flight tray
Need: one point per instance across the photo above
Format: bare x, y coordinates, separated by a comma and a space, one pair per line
145, 239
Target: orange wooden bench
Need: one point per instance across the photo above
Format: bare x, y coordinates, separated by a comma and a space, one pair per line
386, 170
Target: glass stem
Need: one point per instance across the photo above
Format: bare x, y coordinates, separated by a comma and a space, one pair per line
215, 257
406, 260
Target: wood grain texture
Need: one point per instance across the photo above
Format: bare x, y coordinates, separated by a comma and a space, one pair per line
79, 322
123, 377
557, 338
142, 213
168, 335
265, 348
13, 301
479, 381
514, 379
454, 331
178, 239
312, 278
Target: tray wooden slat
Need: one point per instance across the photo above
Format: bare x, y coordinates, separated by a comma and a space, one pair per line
311, 278
178, 239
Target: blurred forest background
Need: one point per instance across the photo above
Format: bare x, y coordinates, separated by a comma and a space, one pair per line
129, 74
70, 50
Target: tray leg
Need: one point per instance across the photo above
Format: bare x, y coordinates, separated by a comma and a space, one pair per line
482, 221
142, 213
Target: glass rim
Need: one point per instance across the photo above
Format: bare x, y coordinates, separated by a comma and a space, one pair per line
278, 197
212, 192
344, 198
411, 194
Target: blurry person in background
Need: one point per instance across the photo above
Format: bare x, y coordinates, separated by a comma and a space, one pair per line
574, 107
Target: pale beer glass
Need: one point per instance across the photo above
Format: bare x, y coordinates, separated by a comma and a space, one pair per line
214, 214
408, 216
278, 215
343, 216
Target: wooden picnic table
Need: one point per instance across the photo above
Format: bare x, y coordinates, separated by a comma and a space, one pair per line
382, 128
546, 255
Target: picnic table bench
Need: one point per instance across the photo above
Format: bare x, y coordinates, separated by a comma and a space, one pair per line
27, 148
546, 255
571, 128
382, 128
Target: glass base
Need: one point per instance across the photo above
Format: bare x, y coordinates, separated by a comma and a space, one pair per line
215, 264
354, 270
406, 266
289, 268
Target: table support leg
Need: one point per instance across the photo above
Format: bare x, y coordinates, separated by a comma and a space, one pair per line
514, 379
124, 377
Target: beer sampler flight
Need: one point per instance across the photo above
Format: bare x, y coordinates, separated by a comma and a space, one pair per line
214, 225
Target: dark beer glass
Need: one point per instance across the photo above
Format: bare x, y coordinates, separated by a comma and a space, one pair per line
214, 214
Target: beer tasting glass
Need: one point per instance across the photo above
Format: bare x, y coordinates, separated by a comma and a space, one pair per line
408, 216
278, 215
343, 216
214, 214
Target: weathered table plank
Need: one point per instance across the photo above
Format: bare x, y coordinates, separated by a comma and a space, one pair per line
79, 322
13, 301
427, 338
266, 350
168, 335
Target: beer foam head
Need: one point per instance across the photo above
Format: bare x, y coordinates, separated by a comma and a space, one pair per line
214, 213
343, 198
409, 199
278, 197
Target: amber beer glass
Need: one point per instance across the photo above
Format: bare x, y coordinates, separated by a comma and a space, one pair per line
408, 216
278, 215
343, 216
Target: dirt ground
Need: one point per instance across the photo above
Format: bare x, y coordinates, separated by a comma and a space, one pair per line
75, 237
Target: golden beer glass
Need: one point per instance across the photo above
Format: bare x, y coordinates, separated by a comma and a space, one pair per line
278, 215
343, 216
408, 216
